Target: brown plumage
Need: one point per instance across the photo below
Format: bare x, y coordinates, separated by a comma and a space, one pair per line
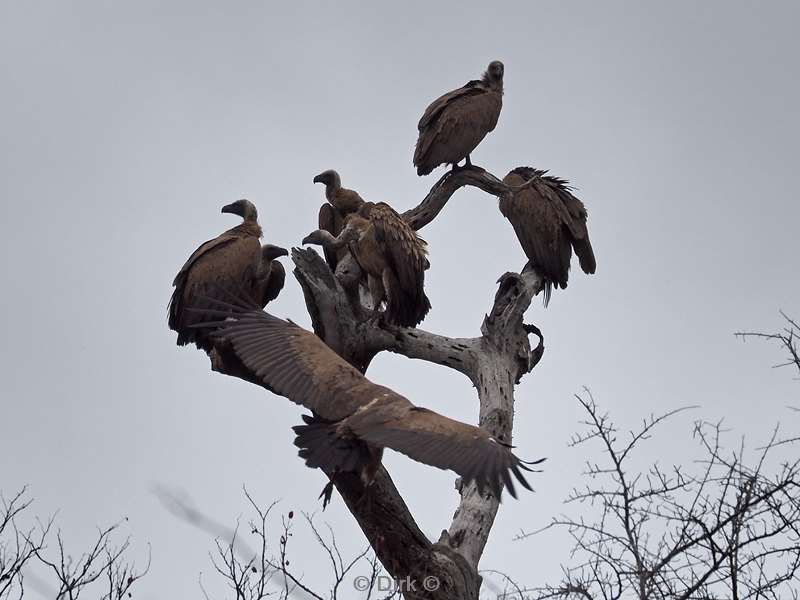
549, 222
271, 275
228, 264
340, 203
391, 254
354, 418
454, 124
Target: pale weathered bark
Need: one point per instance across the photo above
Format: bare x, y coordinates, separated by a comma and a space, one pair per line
494, 362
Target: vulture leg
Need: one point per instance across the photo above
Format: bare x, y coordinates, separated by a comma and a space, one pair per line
377, 292
327, 492
467, 163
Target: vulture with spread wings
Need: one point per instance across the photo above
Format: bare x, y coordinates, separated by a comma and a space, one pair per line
455, 123
549, 222
354, 419
332, 215
391, 254
231, 263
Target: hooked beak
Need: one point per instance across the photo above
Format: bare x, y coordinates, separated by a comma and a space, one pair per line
271, 252
233, 208
319, 179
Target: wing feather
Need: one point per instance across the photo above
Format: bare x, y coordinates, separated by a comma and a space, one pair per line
297, 364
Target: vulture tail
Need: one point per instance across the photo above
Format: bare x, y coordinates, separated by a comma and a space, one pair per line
322, 447
547, 291
405, 307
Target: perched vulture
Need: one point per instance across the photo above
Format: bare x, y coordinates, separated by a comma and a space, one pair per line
549, 222
229, 264
270, 276
454, 124
354, 419
340, 203
391, 254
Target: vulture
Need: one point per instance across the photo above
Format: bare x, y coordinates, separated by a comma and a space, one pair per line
549, 222
454, 124
270, 276
354, 419
391, 254
340, 203
232, 263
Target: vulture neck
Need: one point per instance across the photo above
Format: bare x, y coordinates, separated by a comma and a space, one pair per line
330, 191
248, 228
496, 85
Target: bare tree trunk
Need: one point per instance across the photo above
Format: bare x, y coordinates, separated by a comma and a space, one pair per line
495, 362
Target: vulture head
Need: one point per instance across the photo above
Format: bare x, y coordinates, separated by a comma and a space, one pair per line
329, 178
270, 252
243, 208
494, 73
320, 237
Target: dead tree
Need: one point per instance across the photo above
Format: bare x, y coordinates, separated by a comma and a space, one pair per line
494, 362
729, 528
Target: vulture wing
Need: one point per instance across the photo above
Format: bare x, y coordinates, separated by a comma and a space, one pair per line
549, 221
331, 221
438, 105
441, 442
297, 364
224, 263
573, 214
538, 225
268, 288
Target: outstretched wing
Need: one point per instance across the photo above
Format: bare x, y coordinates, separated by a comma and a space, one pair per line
297, 364
441, 442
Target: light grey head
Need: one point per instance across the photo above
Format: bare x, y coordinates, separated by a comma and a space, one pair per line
330, 178
495, 71
244, 208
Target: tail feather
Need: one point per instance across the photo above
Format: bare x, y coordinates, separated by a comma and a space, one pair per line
322, 447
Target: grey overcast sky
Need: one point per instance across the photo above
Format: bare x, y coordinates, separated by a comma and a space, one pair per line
125, 126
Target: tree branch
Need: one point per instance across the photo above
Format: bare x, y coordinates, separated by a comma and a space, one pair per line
494, 362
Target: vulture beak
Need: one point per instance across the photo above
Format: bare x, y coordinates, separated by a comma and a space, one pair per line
272, 252
234, 208
319, 179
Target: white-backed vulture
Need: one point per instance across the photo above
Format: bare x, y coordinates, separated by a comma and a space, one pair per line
391, 254
549, 222
454, 124
354, 419
340, 203
271, 275
229, 264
